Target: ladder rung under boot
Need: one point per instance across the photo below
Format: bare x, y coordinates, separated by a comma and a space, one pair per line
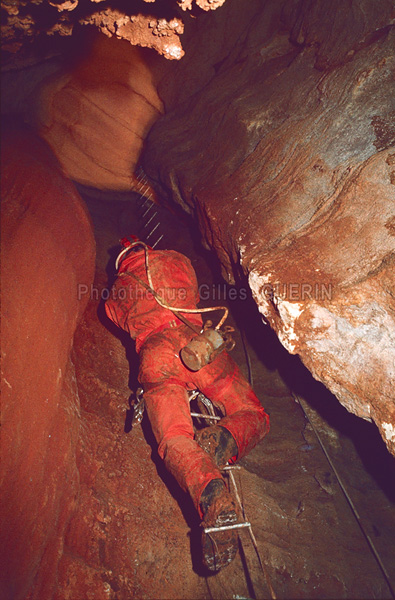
205, 416
225, 527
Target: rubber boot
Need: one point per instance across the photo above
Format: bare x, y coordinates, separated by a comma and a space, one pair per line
218, 507
218, 442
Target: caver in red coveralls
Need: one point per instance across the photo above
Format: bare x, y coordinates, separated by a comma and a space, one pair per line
159, 338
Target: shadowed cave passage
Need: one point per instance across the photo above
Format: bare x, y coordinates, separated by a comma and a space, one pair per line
266, 132
300, 517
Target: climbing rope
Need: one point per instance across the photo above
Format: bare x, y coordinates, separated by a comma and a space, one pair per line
247, 357
159, 299
371, 545
230, 467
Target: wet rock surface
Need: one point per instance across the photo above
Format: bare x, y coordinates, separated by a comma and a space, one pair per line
135, 534
97, 113
283, 147
47, 248
144, 24
278, 137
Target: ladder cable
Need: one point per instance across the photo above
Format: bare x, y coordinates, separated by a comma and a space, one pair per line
367, 537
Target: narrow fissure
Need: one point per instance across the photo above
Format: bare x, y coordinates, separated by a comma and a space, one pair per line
186, 123
299, 514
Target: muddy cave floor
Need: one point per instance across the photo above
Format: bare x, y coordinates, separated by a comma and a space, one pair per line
135, 534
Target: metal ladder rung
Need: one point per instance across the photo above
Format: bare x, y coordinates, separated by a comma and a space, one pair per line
205, 416
226, 527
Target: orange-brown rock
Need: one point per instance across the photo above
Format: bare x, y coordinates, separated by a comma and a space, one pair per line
142, 30
96, 117
149, 25
47, 252
203, 4
287, 156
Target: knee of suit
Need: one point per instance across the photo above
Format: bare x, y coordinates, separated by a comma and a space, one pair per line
247, 428
176, 431
168, 411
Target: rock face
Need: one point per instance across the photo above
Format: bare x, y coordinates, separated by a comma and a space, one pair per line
47, 253
135, 534
286, 156
148, 24
96, 116
30, 21
279, 136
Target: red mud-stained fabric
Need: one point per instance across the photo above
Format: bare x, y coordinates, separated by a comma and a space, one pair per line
166, 380
134, 308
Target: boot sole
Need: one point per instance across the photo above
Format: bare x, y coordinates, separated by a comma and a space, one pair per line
220, 547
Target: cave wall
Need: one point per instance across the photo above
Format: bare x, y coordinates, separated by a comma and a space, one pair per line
47, 253
279, 138
282, 146
96, 113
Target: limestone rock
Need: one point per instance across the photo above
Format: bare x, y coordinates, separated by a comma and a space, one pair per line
96, 117
141, 30
47, 253
149, 26
287, 157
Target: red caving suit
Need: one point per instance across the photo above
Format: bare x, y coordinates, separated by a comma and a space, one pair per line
159, 338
